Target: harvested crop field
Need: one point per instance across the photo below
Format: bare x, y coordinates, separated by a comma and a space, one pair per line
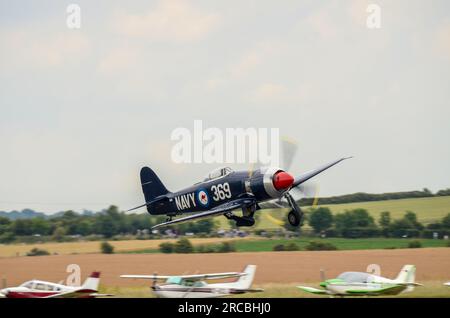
433, 264
12, 250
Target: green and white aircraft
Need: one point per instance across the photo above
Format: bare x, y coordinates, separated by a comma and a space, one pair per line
366, 284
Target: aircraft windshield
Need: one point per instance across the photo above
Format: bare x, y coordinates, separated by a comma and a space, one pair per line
193, 283
27, 285
355, 277
217, 173
42, 286
174, 280
185, 282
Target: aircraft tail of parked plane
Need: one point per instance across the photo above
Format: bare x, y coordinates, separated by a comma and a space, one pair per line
245, 281
407, 276
92, 282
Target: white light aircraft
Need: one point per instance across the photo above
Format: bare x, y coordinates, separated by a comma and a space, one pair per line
42, 289
195, 286
365, 284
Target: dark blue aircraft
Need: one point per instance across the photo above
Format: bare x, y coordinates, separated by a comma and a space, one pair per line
223, 191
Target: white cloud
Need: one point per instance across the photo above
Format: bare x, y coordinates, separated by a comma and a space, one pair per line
321, 22
268, 92
118, 59
442, 40
27, 48
170, 21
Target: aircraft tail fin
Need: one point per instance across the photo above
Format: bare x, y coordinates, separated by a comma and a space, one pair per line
245, 282
151, 185
407, 276
92, 281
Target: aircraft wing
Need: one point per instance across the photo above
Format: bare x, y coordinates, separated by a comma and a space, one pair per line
410, 284
394, 289
152, 277
221, 209
272, 204
77, 294
313, 290
188, 277
308, 175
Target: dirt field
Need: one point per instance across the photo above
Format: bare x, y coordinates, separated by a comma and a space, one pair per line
433, 264
12, 250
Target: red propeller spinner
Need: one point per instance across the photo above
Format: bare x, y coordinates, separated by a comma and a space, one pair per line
282, 180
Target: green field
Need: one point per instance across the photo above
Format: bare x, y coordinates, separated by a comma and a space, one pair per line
340, 243
428, 210
266, 245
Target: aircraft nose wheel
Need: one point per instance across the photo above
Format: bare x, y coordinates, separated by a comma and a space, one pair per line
294, 218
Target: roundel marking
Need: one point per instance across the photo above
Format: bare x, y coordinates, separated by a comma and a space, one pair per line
202, 197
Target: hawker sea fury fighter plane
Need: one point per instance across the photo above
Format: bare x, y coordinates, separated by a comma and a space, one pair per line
223, 191
41, 289
195, 286
365, 284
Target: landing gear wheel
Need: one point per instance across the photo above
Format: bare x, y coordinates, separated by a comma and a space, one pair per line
294, 218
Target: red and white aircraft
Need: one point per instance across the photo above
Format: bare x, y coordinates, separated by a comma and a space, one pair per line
42, 289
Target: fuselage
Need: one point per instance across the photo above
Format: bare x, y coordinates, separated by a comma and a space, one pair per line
200, 290
210, 193
40, 289
372, 285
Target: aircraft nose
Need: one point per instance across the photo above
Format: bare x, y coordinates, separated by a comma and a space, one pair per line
282, 180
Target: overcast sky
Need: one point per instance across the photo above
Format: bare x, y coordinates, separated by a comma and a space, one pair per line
82, 110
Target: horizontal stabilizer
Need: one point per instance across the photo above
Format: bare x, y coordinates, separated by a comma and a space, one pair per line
252, 290
312, 290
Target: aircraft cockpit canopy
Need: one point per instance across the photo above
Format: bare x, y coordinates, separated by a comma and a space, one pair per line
185, 282
38, 285
355, 277
27, 284
218, 173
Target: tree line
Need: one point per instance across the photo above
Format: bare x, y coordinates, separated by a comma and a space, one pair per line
359, 223
111, 222
364, 197
108, 223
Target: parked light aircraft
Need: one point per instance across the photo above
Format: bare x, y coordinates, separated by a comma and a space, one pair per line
42, 289
365, 284
195, 286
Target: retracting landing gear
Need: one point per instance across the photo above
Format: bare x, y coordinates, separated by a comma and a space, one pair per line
247, 216
296, 215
